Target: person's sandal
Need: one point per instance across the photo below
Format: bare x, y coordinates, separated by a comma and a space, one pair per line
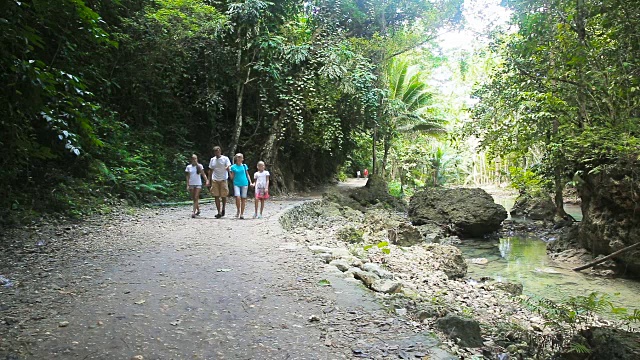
222, 213
218, 216
193, 215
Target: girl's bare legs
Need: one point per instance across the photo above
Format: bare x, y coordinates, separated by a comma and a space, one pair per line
192, 192
237, 206
196, 200
244, 204
255, 214
261, 206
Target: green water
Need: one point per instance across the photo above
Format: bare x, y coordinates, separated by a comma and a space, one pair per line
525, 260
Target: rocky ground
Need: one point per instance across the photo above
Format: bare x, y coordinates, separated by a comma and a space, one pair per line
156, 284
427, 284
315, 279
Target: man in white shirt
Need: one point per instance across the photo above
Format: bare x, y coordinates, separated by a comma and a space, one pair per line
218, 175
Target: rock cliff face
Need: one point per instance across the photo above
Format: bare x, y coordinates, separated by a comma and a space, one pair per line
611, 214
466, 212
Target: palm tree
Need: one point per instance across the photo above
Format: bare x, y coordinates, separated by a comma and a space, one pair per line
407, 107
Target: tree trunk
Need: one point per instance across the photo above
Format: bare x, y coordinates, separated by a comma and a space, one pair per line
270, 154
237, 128
601, 260
374, 168
270, 150
385, 156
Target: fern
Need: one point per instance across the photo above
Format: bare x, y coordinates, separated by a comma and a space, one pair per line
579, 348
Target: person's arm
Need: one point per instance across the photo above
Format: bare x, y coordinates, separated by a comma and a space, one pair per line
267, 188
246, 170
231, 174
204, 175
187, 176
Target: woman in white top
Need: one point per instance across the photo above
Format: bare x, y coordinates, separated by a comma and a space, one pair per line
195, 173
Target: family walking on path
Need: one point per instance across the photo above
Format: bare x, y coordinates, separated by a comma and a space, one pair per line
220, 169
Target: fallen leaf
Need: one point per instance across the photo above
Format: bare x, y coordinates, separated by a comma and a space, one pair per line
140, 302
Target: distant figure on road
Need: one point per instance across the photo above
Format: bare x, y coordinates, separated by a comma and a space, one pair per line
241, 183
358, 174
366, 173
262, 187
195, 173
218, 175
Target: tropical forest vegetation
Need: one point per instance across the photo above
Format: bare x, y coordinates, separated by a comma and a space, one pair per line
107, 100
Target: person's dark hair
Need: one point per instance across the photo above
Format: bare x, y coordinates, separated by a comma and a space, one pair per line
198, 169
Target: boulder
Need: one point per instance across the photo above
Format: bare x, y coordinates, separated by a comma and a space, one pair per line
534, 208
449, 259
366, 277
610, 208
352, 261
432, 232
376, 269
377, 220
457, 327
376, 192
512, 288
466, 212
405, 235
612, 344
312, 215
341, 264
382, 224
386, 286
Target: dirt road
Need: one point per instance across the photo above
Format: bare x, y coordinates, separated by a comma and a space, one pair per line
156, 284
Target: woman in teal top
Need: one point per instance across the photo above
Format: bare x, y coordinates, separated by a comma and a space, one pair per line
241, 182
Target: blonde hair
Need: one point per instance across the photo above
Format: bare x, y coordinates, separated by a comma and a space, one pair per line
261, 162
236, 156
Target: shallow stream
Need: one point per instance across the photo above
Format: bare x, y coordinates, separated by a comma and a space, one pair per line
525, 260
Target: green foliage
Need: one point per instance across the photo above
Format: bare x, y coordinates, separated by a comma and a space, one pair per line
527, 181
106, 100
566, 85
565, 319
383, 246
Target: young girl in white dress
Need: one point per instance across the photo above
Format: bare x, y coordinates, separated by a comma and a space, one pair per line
262, 187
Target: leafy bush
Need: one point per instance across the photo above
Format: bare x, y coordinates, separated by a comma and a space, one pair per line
528, 181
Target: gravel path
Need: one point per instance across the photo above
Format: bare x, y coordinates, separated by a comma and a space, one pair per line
156, 284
